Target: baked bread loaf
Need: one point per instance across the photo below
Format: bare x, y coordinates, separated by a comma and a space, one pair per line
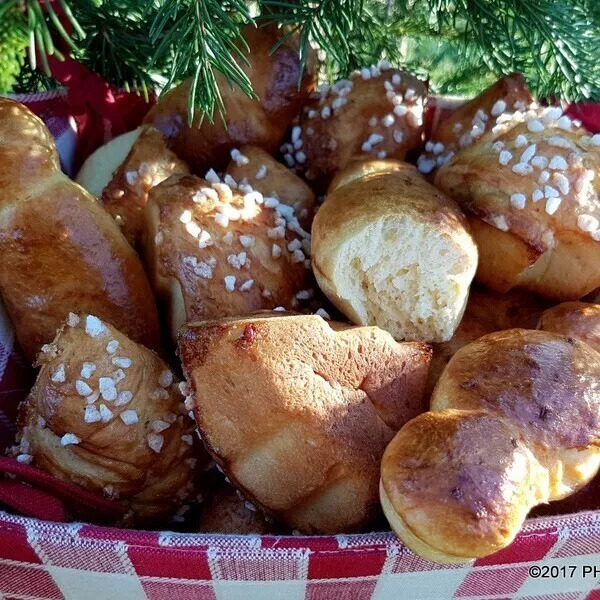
530, 189
389, 249
514, 422
252, 165
107, 414
486, 312
61, 251
261, 122
297, 411
97, 170
376, 114
580, 320
215, 251
148, 163
466, 124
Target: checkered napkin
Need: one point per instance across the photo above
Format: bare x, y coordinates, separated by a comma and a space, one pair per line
41, 559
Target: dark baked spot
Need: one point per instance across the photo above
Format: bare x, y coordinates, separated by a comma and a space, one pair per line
248, 337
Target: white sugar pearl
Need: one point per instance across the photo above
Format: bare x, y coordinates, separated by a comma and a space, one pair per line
112, 346
520, 141
59, 375
537, 195
155, 441
105, 413
91, 414
504, 157
587, 223
498, 108
123, 397
550, 192
552, 205
535, 126
518, 200
83, 389
129, 417
528, 154
558, 163
229, 283
121, 361
69, 438
165, 379
94, 326
562, 183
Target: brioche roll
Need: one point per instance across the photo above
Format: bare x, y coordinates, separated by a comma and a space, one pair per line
514, 422
467, 123
99, 167
107, 414
530, 189
300, 422
61, 251
580, 320
256, 167
147, 164
215, 251
376, 114
389, 249
260, 121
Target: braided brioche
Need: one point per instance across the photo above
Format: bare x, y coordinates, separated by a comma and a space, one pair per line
514, 422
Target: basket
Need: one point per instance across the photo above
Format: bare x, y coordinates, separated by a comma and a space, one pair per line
553, 558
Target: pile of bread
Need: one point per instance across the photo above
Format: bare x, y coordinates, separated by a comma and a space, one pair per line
177, 299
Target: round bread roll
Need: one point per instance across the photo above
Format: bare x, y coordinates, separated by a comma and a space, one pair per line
376, 114
469, 122
530, 189
281, 86
107, 414
297, 411
98, 168
213, 250
147, 164
252, 165
580, 320
514, 422
389, 249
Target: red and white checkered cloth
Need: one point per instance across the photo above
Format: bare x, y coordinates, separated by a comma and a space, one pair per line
45, 560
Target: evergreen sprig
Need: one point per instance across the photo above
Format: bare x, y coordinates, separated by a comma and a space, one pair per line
461, 45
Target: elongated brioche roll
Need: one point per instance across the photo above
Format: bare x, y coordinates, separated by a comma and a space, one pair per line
252, 165
575, 319
148, 163
376, 114
107, 414
261, 121
531, 193
297, 411
61, 251
389, 249
470, 121
215, 251
514, 422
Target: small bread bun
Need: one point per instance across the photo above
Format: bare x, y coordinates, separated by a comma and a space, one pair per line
281, 85
580, 320
514, 422
147, 164
376, 114
214, 251
529, 186
107, 414
466, 124
297, 411
390, 250
98, 168
250, 164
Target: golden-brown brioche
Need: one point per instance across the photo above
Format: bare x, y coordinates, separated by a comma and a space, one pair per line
261, 121
376, 114
297, 411
214, 251
486, 312
97, 170
61, 251
530, 188
225, 510
361, 168
148, 163
258, 168
467, 123
514, 422
575, 319
389, 249
107, 414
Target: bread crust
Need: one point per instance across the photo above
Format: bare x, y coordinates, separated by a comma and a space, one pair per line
579, 320
300, 423
107, 414
60, 250
261, 122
